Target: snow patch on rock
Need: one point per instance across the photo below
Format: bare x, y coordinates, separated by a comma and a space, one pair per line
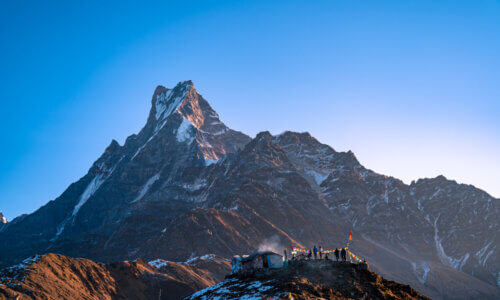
211, 288
184, 131
371, 203
93, 186
228, 289
488, 255
142, 147
318, 177
209, 162
207, 257
455, 263
195, 186
166, 103
421, 270
146, 187
158, 263
480, 254
104, 173
15, 275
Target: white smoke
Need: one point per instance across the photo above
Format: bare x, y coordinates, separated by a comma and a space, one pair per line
272, 244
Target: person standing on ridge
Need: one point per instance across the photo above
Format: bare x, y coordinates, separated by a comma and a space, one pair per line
337, 253
343, 254
315, 250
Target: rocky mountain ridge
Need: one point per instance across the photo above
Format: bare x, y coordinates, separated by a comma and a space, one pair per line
54, 276
187, 185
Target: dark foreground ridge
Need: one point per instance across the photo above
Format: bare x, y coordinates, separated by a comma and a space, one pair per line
316, 279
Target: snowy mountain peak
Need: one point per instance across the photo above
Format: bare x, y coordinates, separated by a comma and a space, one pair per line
3, 220
168, 100
182, 112
185, 100
187, 83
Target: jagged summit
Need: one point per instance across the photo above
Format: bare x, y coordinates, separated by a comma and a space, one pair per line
167, 101
183, 107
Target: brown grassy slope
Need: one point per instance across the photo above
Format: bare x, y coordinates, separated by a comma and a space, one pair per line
55, 276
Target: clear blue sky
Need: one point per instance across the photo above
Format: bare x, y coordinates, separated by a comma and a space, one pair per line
412, 87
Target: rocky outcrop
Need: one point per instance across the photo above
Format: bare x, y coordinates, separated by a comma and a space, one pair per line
310, 280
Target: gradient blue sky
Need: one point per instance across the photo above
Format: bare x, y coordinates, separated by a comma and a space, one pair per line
412, 87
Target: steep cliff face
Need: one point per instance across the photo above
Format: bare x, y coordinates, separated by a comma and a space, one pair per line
187, 185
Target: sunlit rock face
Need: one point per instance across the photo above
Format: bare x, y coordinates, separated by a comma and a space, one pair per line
187, 185
3, 220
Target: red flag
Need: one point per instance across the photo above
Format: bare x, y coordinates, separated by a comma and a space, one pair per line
350, 236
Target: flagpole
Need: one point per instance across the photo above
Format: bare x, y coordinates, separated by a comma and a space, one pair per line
347, 247
349, 238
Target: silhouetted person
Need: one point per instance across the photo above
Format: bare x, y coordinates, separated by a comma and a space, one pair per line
343, 254
315, 250
285, 253
363, 265
326, 256
320, 252
337, 253
309, 255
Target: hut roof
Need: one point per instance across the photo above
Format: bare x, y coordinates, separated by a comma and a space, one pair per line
257, 254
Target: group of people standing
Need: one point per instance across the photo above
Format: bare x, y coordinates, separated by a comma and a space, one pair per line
318, 252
